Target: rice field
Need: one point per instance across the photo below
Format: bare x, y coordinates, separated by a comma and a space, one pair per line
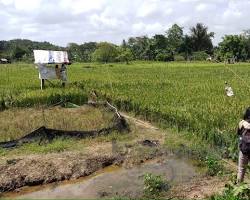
187, 96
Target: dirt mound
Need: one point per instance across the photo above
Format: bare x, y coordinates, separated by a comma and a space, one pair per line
36, 170
41, 169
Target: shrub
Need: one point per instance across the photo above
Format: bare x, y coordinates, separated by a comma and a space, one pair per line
106, 52
214, 167
199, 56
234, 192
179, 57
164, 56
154, 185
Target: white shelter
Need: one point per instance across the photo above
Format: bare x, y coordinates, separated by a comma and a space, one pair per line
59, 71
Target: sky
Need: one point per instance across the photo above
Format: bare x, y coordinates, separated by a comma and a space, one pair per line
63, 21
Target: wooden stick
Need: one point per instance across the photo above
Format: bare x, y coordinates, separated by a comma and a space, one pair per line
42, 84
115, 109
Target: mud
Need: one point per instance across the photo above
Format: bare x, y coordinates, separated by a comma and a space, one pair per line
43, 169
119, 182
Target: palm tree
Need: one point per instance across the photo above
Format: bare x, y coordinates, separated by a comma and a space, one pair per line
201, 39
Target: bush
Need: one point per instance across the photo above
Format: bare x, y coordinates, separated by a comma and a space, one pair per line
234, 192
214, 167
125, 55
105, 52
199, 56
154, 185
179, 57
164, 56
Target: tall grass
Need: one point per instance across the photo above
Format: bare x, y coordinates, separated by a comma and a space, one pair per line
188, 96
20, 87
15, 123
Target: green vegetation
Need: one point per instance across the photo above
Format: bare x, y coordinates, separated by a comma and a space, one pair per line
15, 123
187, 97
214, 167
19, 87
168, 46
234, 192
22, 50
154, 186
234, 46
105, 53
58, 145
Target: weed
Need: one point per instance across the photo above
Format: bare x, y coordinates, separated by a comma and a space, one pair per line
234, 192
214, 167
154, 186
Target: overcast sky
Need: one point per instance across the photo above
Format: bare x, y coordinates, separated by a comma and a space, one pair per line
64, 21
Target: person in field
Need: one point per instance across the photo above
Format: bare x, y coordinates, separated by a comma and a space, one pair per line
58, 74
244, 145
63, 72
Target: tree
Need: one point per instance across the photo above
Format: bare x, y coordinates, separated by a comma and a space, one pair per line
159, 42
86, 51
125, 55
233, 46
139, 47
187, 46
74, 51
20, 49
164, 55
18, 53
105, 52
81, 53
160, 48
201, 39
175, 38
246, 34
124, 44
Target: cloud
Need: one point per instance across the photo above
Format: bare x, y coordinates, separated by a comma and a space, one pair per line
27, 5
64, 21
147, 28
147, 8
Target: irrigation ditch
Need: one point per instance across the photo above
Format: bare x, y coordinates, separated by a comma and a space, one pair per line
36, 170
130, 157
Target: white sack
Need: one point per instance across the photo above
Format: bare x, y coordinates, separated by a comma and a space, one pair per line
229, 91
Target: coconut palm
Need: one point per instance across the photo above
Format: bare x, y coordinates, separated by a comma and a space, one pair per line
201, 39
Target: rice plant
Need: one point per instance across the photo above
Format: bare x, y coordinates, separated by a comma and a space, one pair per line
188, 96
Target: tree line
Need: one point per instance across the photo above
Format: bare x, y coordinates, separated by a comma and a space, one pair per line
169, 46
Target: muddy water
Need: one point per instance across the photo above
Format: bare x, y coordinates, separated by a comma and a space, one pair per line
114, 181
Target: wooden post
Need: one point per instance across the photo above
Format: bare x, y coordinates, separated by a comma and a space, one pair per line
42, 84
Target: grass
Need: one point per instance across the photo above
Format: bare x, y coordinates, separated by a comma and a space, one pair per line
234, 192
187, 96
62, 145
56, 146
17, 122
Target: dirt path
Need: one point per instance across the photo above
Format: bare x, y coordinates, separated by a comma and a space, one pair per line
139, 122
